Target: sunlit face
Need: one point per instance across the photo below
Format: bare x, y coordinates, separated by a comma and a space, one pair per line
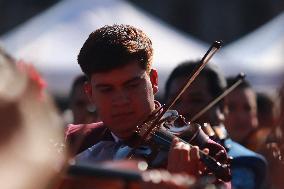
195, 98
242, 115
124, 97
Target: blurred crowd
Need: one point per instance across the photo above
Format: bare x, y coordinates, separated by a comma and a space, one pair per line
41, 148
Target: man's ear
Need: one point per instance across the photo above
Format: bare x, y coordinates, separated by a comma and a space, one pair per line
154, 80
88, 90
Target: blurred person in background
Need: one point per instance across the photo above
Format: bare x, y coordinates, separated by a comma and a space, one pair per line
248, 168
242, 119
266, 114
82, 109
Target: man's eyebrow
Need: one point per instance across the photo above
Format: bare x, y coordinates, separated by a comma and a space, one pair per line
137, 78
134, 79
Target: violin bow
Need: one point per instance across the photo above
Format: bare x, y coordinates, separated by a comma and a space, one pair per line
239, 79
162, 110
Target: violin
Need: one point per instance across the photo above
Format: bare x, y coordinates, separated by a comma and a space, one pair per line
172, 125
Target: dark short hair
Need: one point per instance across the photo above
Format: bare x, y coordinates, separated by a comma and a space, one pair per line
113, 46
215, 79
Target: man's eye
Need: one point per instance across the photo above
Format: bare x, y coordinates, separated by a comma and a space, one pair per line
133, 85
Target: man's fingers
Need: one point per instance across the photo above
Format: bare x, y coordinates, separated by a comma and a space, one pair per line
184, 150
194, 153
179, 151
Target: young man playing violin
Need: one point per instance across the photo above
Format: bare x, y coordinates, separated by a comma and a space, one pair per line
121, 84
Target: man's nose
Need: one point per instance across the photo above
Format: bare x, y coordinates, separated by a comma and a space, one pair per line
120, 98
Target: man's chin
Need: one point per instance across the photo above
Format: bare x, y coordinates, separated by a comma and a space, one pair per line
127, 130
125, 135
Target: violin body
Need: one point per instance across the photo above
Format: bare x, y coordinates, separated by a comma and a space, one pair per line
173, 125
